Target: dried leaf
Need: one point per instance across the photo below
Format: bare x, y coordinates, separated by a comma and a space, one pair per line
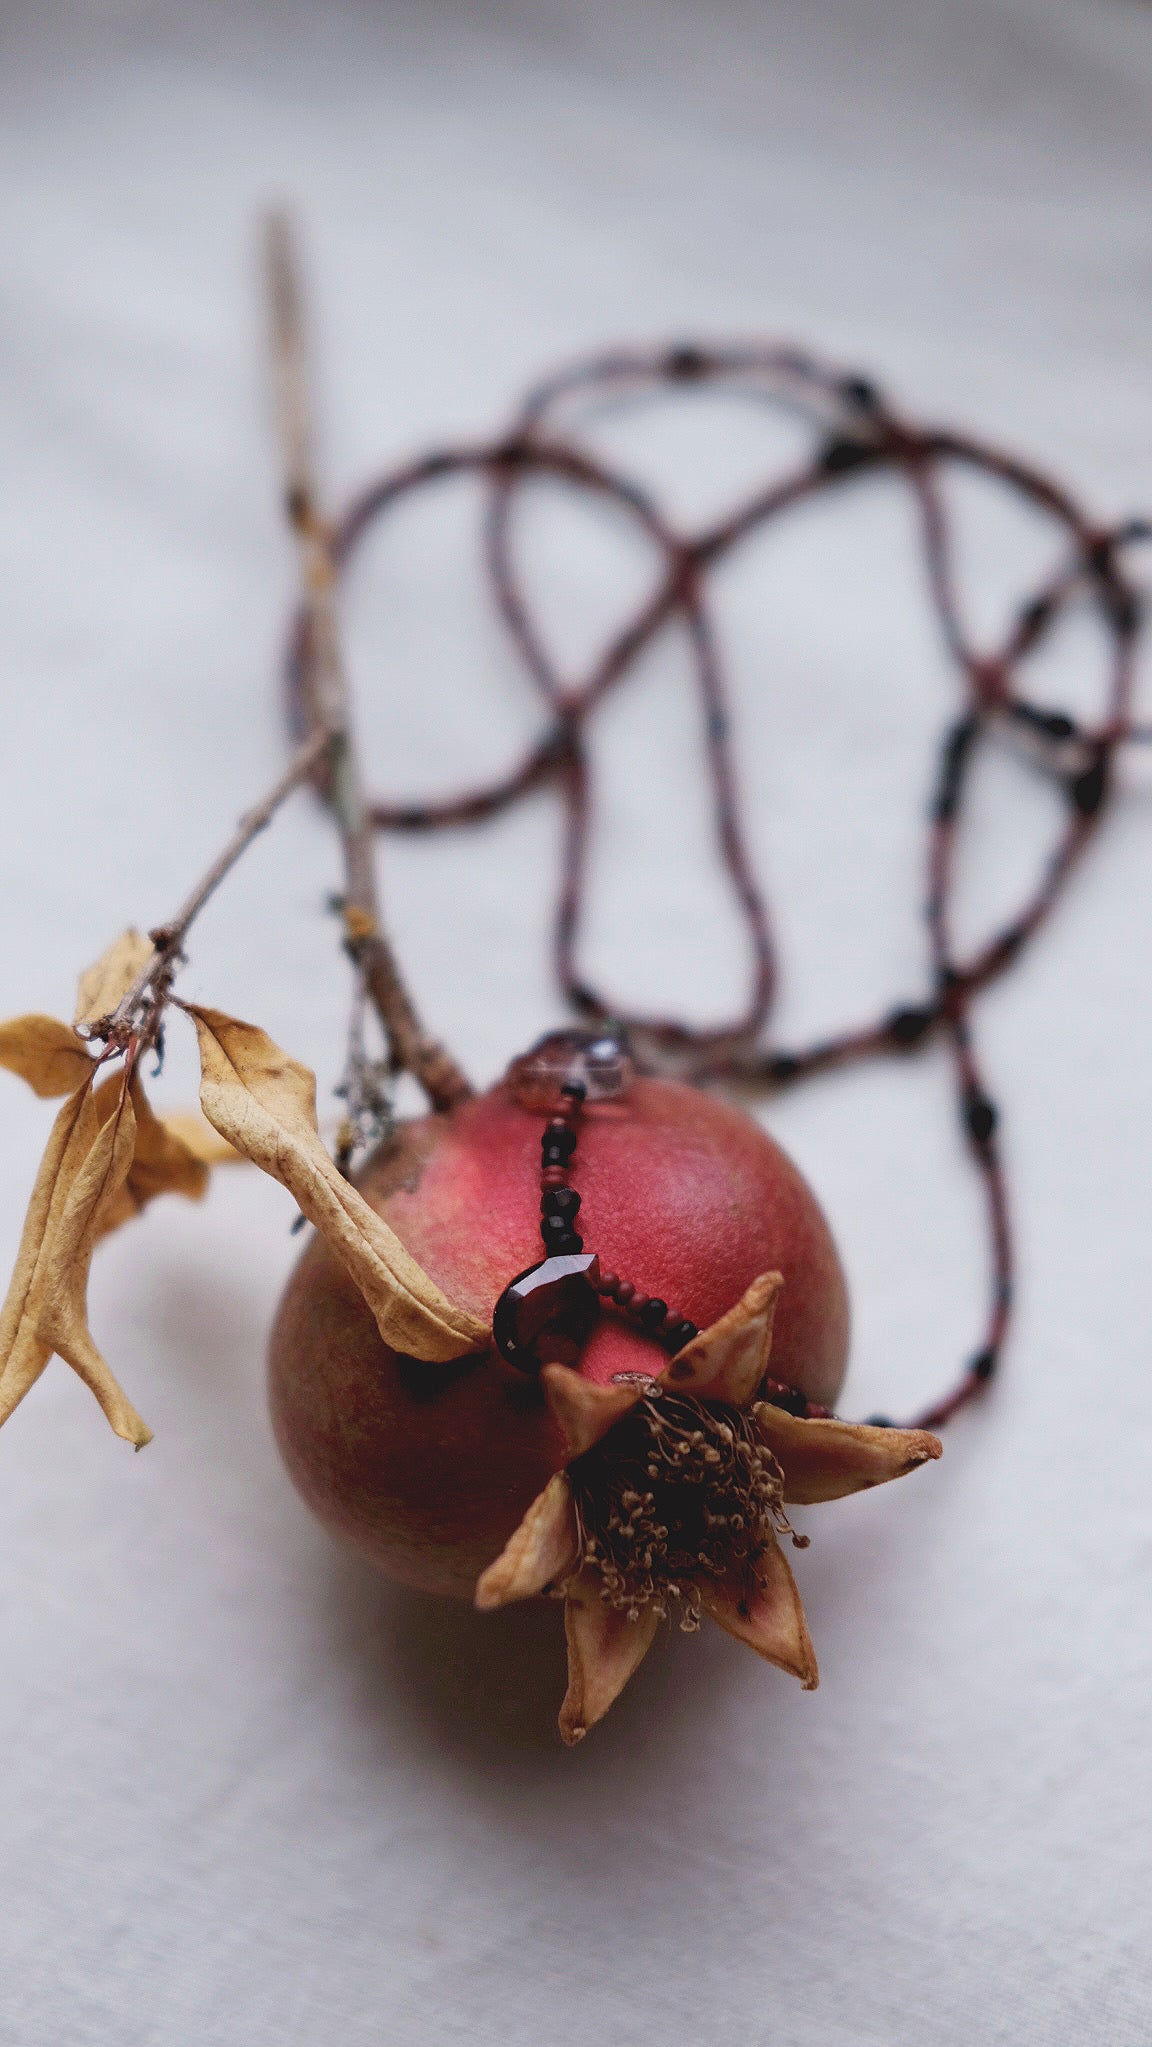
605, 1649
46, 1053
198, 1137
543, 1549
161, 1162
104, 985
264, 1103
81, 1178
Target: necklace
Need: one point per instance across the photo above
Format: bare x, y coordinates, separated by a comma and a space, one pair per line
856, 434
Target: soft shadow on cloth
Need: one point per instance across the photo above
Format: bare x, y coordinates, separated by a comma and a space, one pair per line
474, 1696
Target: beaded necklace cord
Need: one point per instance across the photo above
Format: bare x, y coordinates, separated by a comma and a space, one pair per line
855, 433
545, 1313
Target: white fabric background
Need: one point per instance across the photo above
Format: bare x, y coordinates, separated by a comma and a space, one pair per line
251, 1795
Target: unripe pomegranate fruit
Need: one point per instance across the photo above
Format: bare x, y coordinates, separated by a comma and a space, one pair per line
427, 1469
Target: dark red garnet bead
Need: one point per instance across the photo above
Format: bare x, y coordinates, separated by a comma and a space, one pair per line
547, 1313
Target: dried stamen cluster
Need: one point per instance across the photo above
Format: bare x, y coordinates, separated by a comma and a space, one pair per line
681, 1491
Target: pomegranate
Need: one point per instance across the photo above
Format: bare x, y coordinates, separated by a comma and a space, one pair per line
620, 1451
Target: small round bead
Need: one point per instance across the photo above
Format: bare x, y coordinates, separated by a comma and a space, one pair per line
637, 1304
624, 1291
980, 1117
609, 1281
792, 1401
554, 1176
553, 1227
556, 1146
560, 1201
680, 1333
654, 1313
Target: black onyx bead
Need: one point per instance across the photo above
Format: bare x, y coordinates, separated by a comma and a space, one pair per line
680, 1334
653, 1313
1088, 789
860, 392
909, 1026
783, 1066
1033, 618
560, 1201
546, 1314
841, 455
790, 1400
557, 1144
556, 1230
685, 361
980, 1116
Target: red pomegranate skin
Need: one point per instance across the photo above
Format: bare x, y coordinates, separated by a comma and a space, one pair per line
427, 1469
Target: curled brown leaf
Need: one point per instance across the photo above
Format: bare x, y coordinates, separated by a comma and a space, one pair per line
46, 1053
198, 1137
163, 1162
104, 984
80, 1182
264, 1103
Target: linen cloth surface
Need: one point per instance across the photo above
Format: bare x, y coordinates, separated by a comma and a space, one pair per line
253, 1795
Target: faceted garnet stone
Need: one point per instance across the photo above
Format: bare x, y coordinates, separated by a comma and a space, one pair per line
546, 1313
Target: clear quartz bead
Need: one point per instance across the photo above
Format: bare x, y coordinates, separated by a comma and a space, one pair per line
594, 1060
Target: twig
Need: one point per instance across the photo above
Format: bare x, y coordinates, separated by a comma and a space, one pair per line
151, 984
410, 1048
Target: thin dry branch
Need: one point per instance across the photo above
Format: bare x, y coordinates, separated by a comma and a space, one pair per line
410, 1048
150, 988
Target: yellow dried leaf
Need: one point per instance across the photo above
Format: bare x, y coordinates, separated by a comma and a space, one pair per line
199, 1138
121, 1209
105, 984
264, 1103
81, 1179
46, 1053
162, 1163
